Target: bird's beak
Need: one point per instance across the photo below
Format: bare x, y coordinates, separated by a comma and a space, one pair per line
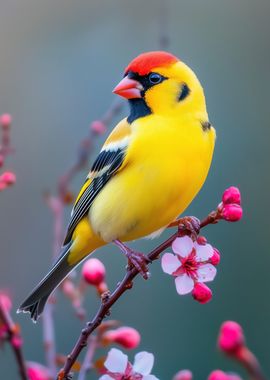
128, 88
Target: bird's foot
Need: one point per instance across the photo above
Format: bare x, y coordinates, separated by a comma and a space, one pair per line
135, 259
188, 225
140, 262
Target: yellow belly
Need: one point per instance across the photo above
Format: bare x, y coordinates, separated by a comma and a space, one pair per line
167, 164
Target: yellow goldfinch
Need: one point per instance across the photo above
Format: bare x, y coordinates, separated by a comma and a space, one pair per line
149, 170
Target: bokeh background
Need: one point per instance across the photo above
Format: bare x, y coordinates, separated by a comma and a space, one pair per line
59, 61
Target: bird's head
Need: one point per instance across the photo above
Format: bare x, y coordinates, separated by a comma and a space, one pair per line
158, 82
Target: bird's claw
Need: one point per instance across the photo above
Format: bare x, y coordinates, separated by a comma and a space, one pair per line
139, 261
135, 259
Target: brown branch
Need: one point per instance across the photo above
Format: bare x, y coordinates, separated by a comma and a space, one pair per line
249, 361
108, 300
14, 339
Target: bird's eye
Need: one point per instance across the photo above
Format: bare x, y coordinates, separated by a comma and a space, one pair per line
155, 78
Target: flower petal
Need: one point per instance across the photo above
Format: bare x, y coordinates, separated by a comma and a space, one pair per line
170, 263
184, 284
203, 252
116, 361
183, 246
106, 377
150, 377
206, 272
143, 363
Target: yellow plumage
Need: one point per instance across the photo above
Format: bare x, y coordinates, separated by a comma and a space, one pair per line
167, 161
165, 155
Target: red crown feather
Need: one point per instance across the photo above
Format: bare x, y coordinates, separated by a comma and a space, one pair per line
145, 62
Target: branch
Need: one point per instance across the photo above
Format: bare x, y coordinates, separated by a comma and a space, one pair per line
8, 178
251, 364
88, 360
49, 338
108, 300
14, 339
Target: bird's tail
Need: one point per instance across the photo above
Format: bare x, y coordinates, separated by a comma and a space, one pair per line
35, 302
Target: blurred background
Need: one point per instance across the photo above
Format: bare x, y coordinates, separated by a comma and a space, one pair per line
58, 64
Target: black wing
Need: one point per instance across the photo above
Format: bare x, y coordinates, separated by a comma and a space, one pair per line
105, 166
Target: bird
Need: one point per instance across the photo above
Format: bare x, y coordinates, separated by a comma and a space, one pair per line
148, 171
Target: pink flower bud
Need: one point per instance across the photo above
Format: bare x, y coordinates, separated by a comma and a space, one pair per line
215, 258
16, 341
93, 271
5, 302
218, 375
68, 288
8, 178
127, 337
98, 127
2, 160
231, 337
185, 374
37, 371
201, 293
231, 195
5, 120
232, 212
201, 240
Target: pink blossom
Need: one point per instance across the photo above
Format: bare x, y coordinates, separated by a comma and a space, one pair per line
127, 337
5, 120
8, 178
230, 208
118, 367
231, 195
37, 371
16, 341
93, 271
231, 337
232, 212
5, 302
184, 374
190, 264
201, 240
201, 293
220, 375
98, 127
215, 259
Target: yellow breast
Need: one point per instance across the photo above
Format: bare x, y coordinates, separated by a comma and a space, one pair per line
167, 163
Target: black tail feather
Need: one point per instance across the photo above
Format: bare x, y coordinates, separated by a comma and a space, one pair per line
35, 309
35, 302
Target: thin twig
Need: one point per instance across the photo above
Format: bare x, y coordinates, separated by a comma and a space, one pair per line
88, 360
14, 339
49, 338
250, 363
110, 299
